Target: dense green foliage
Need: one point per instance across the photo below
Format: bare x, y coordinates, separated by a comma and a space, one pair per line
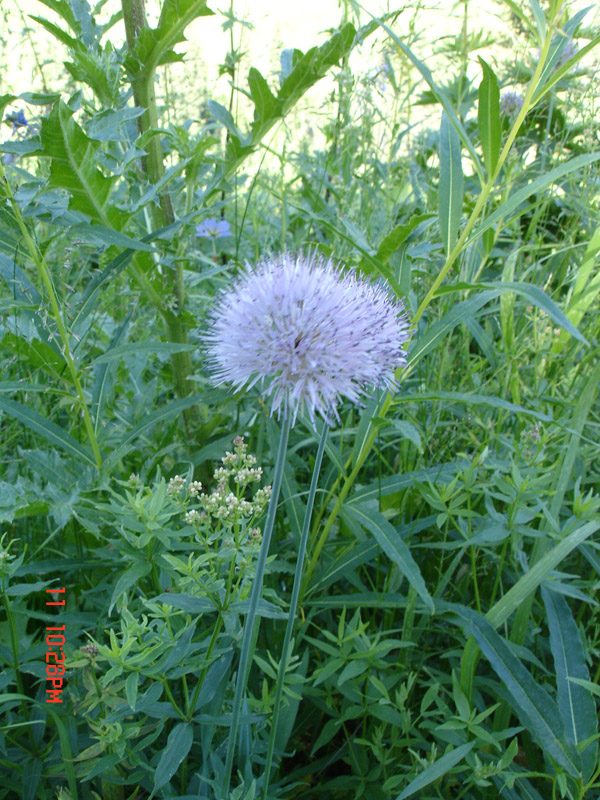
447, 638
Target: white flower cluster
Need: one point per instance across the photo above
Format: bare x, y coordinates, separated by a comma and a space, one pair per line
176, 485
223, 504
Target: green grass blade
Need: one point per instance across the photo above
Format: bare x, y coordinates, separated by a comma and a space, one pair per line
529, 582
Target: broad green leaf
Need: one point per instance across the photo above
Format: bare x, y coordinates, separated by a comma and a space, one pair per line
155, 45
436, 770
488, 116
392, 544
131, 689
106, 126
505, 213
49, 430
265, 103
438, 473
392, 241
576, 705
56, 31
38, 355
73, 167
128, 579
439, 330
306, 70
178, 746
450, 192
193, 605
532, 704
125, 350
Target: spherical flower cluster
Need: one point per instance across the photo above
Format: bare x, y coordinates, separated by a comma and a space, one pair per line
511, 103
308, 333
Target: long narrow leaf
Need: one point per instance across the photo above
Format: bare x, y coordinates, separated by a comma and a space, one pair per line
450, 193
49, 430
394, 547
576, 705
532, 704
436, 770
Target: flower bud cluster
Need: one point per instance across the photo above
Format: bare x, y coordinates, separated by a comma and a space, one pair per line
228, 504
176, 485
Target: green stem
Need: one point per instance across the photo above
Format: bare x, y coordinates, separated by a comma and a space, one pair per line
255, 595
15, 653
285, 655
142, 83
489, 185
44, 273
479, 206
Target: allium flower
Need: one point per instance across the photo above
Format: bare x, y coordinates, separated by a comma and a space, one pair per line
306, 331
511, 103
213, 229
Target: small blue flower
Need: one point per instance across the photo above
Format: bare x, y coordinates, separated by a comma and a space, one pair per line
18, 119
213, 229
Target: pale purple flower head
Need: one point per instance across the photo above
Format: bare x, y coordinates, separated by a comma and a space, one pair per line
213, 229
511, 103
306, 331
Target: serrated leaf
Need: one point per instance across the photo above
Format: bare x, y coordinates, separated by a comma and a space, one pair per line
450, 193
488, 117
73, 166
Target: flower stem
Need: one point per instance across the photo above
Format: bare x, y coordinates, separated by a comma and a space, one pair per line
245, 654
285, 656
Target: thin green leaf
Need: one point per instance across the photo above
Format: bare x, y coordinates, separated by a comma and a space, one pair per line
529, 582
504, 212
49, 430
472, 400
576, 705
450, 193
488, 117
125, 350
160, 415
436, 770
394, 547
532, 704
